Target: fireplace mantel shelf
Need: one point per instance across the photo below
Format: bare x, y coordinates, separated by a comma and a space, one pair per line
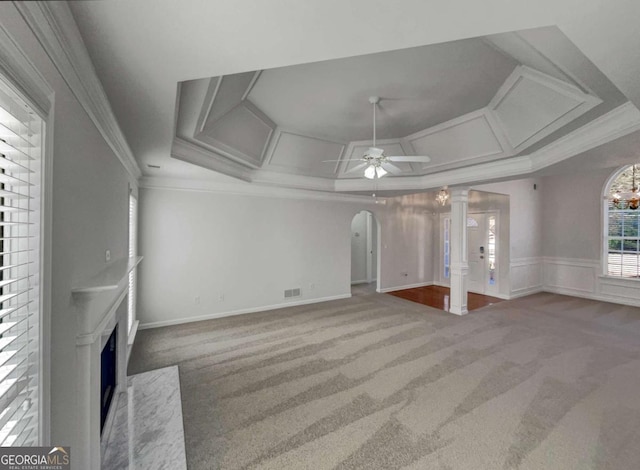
106, 280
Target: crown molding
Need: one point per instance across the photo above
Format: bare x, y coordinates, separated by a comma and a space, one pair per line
314, 183
506, 168
617, 123
252, 189
56, 30
195, 153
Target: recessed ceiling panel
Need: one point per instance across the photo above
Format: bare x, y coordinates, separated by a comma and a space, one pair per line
243, 132
459, 140
304, 155
226, 94
531, 105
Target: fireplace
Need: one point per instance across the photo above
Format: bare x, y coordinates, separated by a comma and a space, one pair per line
108, 371
101, 352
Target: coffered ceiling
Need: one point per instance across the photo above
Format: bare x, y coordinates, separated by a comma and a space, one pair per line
212, 91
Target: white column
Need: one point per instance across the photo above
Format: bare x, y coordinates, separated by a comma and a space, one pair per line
459, 262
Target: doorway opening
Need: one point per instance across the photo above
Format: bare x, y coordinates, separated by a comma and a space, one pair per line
482, 252
365, 267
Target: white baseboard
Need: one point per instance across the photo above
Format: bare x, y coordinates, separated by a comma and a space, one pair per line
178, 321
593, 296
523, 292
408, 286
440, 284
355, 283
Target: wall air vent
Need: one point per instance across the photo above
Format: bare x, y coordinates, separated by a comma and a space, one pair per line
292, 293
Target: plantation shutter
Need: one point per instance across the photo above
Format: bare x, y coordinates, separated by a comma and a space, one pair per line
21, 135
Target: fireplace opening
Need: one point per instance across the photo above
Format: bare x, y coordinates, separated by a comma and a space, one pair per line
108, 376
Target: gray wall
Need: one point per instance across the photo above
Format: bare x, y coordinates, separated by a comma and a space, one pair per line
239, 253
571, 206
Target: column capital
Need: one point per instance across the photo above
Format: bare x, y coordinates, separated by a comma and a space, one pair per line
459, 194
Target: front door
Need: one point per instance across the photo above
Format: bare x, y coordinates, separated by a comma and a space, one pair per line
481, 244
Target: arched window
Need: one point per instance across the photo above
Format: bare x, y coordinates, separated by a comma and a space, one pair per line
622, 216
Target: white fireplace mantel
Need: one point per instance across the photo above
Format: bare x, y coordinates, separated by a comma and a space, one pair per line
96, 297
100, 306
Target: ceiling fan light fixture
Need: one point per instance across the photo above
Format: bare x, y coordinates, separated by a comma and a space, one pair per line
380, 171
370, 172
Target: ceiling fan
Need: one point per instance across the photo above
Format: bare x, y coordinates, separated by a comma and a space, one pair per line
375, 162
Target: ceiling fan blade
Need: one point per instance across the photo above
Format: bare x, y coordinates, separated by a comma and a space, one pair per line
357, 168
394, 170
410, 158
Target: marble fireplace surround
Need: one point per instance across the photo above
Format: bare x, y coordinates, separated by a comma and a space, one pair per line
100, 304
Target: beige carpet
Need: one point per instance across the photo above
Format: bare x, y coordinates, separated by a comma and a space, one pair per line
544, 382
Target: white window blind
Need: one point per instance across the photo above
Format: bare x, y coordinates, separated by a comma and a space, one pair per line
21, 134
133, 252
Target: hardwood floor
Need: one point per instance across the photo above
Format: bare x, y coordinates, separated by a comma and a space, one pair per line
438, 297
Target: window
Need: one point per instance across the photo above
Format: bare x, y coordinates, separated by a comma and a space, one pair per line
622, 249
21, 135
447, 247
491, 249
133, 252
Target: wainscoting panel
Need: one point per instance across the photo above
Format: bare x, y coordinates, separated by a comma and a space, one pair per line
570, 276
583, 278
619, 290
525, 276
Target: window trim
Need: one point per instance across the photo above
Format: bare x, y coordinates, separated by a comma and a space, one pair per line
19, 73
604, 232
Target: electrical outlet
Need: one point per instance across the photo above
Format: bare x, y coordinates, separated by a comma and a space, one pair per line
312, 286
221, 297
196, 300
107, 256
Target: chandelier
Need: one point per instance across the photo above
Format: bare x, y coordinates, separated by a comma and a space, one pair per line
442, 197
629, 199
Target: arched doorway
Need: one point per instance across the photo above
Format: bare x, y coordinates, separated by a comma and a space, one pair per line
364, 253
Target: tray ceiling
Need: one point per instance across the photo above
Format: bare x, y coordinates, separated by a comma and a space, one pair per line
462, 103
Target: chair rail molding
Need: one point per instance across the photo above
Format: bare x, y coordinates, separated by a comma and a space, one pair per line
55, 28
